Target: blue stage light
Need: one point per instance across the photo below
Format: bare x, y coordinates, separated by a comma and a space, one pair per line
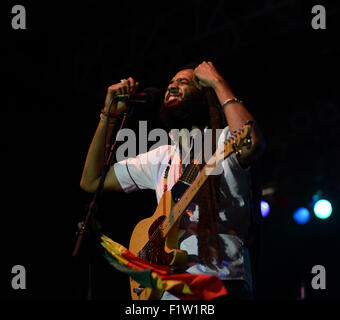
265, 208
322, 209
301, 215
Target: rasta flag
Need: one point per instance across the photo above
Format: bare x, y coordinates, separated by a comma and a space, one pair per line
185, 286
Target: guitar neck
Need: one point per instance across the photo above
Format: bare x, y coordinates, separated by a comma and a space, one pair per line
180, 207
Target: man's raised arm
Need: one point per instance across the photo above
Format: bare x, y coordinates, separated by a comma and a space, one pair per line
94, 160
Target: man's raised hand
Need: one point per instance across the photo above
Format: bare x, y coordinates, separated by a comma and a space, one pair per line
125, 86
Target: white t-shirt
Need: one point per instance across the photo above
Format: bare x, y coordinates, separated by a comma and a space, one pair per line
146, 171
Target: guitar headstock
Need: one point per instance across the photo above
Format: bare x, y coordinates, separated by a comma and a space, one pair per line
239, 139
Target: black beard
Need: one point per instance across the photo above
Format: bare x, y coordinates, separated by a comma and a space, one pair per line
191, 111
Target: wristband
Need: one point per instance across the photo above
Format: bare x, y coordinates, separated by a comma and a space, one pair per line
103, 117
228, 101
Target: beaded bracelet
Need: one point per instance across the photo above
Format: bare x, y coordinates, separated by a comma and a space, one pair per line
228, 101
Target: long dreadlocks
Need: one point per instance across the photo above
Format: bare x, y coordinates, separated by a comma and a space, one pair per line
208, 197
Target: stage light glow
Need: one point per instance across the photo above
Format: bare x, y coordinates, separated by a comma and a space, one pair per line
265, 208
301, 215
322, 209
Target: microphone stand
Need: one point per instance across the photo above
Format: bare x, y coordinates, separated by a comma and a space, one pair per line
93, 207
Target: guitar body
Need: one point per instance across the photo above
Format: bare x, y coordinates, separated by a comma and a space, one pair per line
168, 253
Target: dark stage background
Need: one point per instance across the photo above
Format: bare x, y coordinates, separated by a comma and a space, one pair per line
55, 74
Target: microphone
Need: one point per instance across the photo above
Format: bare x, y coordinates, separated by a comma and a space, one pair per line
149, 95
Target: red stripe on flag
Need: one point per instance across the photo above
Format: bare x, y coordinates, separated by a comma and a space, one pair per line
204, 287
140, 264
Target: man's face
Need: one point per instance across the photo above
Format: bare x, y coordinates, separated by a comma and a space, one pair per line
184, 105
180, 87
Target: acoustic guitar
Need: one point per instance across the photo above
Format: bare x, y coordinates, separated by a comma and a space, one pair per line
156, 238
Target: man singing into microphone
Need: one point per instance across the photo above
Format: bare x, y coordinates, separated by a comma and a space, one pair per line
215, 227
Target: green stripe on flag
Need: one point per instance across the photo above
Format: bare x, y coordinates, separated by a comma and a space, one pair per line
143, 277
